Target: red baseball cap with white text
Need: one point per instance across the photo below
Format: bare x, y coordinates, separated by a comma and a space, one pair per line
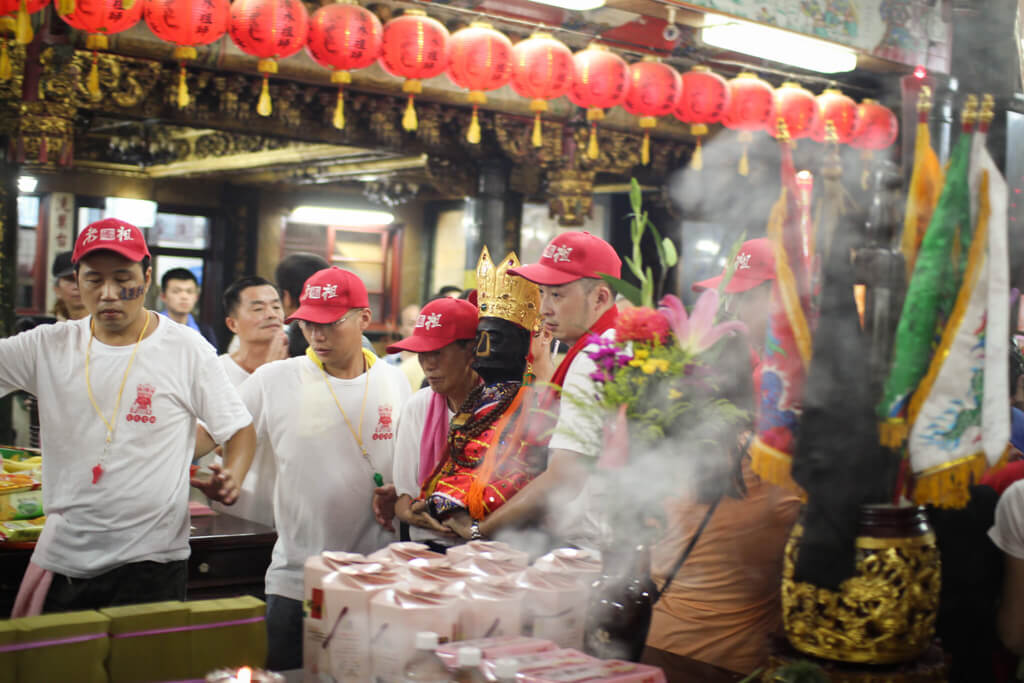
440, 323
571, 256
754, 264
329, 294
111, 234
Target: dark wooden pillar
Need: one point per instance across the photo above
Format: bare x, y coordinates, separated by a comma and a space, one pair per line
495, 213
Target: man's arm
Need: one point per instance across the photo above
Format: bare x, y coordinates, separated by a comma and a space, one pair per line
204, 442
560, 483
1011, 610
225, 483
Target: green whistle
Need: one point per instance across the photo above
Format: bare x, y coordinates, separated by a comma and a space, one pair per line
378, 479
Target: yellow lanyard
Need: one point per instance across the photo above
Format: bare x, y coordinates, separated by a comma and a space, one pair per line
111, 424
378, 479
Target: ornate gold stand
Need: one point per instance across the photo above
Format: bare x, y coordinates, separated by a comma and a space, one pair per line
930, 667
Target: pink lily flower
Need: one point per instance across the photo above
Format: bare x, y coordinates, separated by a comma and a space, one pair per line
697, 332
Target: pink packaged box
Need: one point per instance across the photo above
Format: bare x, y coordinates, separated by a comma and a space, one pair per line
583, 565
489, 567
495, 648
396, 616
551, 659
487, 608
404, 552
491, 550
596, 670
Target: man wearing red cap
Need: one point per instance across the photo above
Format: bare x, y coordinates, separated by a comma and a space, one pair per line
574, 304
444, 339
119, 394
330, 418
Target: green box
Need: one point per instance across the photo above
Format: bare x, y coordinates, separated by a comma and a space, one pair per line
139, 658
81, 661
8, 660
217, 647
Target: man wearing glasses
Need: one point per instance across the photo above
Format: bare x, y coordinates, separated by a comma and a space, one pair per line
330, 417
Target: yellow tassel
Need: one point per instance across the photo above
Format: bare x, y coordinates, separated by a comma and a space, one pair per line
948, 486
592, 151
93, 83
744, 168
96, 41
23, 32
473, 134
774, 467
645, 149
127, 4
264, 106
65, 7
339, 111
183, 97
5, 62
893, 433
409, 121
697, 160
538, 132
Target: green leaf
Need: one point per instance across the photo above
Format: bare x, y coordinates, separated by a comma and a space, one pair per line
634, 268
670, 256
647, 288
730, 267
631, 292
635, 195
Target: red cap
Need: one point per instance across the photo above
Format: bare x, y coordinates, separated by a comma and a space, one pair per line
440, 322
755, 263
111, 234
329, 294
571, 256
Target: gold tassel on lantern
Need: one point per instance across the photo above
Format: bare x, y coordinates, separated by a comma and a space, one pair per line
65, 7
646, 122
413, 87
537, 106
745, 139
127, 4
698, 130
5, 62
23, 30
593, 116
341, 78
264, 107
476, 97
183, 53
92, 83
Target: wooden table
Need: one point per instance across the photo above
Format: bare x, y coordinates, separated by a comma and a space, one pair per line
229, 557
679, 669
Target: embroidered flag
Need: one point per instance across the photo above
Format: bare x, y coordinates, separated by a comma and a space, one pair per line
925, 186
959, 417
787, 352
928, 299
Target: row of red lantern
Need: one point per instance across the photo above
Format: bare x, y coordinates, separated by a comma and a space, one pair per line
345, 37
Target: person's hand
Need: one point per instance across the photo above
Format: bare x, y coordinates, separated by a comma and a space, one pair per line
220, 487
384, 498
278, 349
543, 364
415, 513
460, 524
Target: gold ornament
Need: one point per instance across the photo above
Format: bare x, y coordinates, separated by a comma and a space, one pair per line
884, 614
500, 294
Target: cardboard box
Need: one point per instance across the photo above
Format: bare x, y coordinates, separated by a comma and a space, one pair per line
71, 646
138, 652
234, 634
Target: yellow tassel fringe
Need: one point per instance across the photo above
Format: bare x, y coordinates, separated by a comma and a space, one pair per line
409, 121
93, 81
339, 111
183, 96
697, 160
592, 149
23, 32
473, 134
5, 62
65, 7
264, 107
948, 485
96, 41
538, 136
774, 467
893, 433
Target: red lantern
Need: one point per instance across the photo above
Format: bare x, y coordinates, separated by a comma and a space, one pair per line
101, 18
344, 36
654, 90
796, 109
187, 23
751, 107
415, 47
841, 111
22, 28
600, 80
876, 127
481, 60
704, 100
542, 70
269, 30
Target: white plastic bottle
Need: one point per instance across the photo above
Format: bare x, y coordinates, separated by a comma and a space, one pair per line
425, 666
505, 670
469, 666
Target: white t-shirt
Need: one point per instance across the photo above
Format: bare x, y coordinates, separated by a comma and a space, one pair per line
1008, 531
579, 521
324, 492
407, 457
138, 511
256, 498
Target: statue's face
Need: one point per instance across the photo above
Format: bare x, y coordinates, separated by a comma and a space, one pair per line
501, 349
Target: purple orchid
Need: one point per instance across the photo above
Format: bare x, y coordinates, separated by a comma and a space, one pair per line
697, 332
607, 356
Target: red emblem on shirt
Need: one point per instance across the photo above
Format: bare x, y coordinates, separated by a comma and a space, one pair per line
142, 408
383, 430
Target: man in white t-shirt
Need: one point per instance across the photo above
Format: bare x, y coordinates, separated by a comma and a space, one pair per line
574, 304
330, 418
443, 339
254, 314
119, 396
1008, 535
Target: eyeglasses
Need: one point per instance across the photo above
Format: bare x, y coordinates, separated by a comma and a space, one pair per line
324, 328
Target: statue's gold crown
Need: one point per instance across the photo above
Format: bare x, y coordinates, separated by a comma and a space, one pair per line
499, 294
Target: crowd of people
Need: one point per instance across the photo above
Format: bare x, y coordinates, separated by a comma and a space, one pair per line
460, 432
